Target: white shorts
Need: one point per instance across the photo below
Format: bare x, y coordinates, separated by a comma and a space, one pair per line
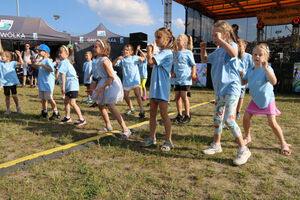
128, 88
45, 95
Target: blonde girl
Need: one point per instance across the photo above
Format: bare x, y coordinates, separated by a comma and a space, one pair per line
9, 79
69, 87
184, 69
109, 89
227, 86
160, 85
131, 77
261, 78
246, 62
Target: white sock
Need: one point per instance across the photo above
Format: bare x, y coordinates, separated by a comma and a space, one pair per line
243, 148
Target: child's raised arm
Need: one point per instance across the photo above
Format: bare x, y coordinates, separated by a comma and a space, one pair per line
143, 56
20, 60
203, 52
228, 48
272, 78
115, 62
150, 55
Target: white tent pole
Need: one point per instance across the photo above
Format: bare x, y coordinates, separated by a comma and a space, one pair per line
18, 10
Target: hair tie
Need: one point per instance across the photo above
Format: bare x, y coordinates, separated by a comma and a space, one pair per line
101, 42
267, 49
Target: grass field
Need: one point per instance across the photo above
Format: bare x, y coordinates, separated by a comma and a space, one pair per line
115, 169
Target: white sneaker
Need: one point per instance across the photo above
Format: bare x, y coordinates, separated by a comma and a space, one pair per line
242, 156
212, 149
19, 110
7, 112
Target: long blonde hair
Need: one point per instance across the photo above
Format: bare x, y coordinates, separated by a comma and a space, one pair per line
226, 28
106, 46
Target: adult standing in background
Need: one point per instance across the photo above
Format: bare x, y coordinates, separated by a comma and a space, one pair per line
26, 54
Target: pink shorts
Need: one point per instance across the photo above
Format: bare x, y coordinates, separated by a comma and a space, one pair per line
270, 110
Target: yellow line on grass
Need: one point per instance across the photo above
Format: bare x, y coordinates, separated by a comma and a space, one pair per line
68, 146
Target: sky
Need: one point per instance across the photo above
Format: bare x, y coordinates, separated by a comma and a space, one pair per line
119, 16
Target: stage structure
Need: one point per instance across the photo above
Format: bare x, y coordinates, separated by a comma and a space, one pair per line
201, 14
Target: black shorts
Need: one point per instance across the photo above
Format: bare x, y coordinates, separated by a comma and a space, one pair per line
72, 94
7, 90
87, 84
181, 87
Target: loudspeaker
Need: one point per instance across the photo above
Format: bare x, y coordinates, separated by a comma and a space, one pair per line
139, 36
141, 43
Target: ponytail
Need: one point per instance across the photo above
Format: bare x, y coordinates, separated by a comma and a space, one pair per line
189, 42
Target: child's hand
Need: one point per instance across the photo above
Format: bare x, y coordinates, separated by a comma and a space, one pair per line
63, 90
18, 53
194, 76
120, 58
138, 47
173, 75
149, 49
203, 45
264, 65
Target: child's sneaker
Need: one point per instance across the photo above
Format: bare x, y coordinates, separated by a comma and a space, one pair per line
88, 100
125, 134
186, 119
44, 114
65, 120
80, 122
212, 149
54, 116
178, 118
130, 111
19, 110
148, 142
142, 114
144, 98
7, 112
95, 104
242, 156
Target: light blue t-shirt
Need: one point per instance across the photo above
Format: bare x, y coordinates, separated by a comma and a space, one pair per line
246, 63
87, 68
143, 69
160, 77
72, 83
260, 88
130, 70
94, 68
8, 73
225, 72
183, 63
46, 79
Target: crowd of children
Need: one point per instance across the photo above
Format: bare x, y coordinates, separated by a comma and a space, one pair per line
231, 68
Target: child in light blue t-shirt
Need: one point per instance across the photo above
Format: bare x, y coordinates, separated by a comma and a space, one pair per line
70, 87
143, 73
46, 81
87, 68
9, 79
160, 85
227, 86
131, 77
245, 63
261, 78
184, 69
